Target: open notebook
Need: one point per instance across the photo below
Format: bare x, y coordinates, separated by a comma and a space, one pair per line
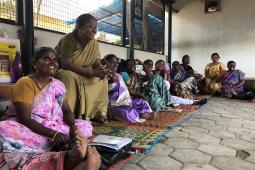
113, 142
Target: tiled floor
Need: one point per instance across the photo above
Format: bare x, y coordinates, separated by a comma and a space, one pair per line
220, 137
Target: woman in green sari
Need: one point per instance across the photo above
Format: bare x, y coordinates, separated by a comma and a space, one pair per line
82, 72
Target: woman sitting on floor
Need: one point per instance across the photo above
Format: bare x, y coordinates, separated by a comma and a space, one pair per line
158, 94
183, 83
232, 83
133, 80
185, 64
82, 73
122, 105
189, 70
213, 71
40, 118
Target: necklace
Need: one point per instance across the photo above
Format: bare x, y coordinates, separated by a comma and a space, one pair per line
38, 82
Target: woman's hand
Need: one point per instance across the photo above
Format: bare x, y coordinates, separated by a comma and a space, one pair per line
60, 138
100, 73
111, 77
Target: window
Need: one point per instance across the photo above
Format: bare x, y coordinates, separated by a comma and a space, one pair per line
8, 9
149, 26
60, 16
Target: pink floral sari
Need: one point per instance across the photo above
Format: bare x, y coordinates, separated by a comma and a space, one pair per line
46, 109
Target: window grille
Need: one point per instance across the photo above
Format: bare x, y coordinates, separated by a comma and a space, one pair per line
8, 9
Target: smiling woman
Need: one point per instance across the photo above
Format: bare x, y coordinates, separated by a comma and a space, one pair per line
82, 73
42, 116
232, 82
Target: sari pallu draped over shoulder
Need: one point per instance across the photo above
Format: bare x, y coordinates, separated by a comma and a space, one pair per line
87, 97
124, 107
46, 110
230, 79
213, 72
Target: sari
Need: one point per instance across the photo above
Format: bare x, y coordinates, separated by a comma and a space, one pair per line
189, 88
183, 85
46, 109
159, 96
13, 157
187, 68
135, 82
178, 76
212, 73
122, 106
229, 80
87, 96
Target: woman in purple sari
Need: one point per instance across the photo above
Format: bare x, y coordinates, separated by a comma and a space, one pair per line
121, 105
232, 83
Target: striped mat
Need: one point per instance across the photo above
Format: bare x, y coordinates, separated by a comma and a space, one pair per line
145, 135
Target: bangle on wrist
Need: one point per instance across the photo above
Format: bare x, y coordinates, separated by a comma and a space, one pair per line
55, 135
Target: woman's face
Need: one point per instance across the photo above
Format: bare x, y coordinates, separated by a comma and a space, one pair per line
149, 65
160, 66
186, 60
89, 30
231, 66
113, 63
215, 58
131, 66
47, 65
176, 66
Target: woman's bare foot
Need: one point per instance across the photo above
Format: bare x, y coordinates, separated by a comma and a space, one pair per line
200, 102
99, 120
91, 162
152, 115
78, 152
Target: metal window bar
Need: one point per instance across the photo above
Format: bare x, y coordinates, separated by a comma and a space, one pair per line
60, 16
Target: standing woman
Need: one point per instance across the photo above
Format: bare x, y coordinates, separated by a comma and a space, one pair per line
82, 73
213, 72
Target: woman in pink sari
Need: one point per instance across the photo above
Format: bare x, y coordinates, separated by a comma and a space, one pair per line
40, 118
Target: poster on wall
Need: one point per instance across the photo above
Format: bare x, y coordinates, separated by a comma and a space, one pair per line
139, 9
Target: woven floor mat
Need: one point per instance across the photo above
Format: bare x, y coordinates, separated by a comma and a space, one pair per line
145, 134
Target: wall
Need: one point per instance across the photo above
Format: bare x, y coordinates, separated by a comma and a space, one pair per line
45, 38
142, 55
230, 32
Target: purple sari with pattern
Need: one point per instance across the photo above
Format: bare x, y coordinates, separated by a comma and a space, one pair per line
229, 81
122, 106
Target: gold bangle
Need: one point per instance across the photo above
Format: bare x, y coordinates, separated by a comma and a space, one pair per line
55, 135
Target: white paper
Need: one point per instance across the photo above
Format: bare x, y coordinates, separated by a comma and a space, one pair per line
113, 142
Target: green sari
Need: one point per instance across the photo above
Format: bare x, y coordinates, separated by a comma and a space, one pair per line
87, 97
